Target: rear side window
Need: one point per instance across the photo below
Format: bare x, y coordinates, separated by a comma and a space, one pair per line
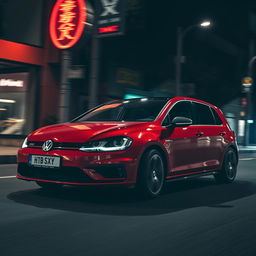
218, 120
182, 108
203, 114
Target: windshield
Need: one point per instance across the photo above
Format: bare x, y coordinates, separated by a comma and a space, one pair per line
139, 110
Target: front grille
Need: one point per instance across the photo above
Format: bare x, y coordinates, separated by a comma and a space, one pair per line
56, 145
35, 144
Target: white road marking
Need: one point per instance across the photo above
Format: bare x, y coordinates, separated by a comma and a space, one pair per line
7, 177
247, 159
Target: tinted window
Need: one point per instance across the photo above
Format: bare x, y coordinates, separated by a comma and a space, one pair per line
130, 110
182, 108
203, 114
218, 121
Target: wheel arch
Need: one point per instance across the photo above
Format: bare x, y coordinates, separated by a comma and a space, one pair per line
161, 151
234, 147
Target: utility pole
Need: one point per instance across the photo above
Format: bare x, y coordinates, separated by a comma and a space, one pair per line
94, 73
249, 104
65, 88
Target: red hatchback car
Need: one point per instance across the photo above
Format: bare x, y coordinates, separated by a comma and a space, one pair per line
142, 142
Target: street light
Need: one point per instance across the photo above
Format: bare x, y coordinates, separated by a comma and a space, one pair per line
179, 58
206, 23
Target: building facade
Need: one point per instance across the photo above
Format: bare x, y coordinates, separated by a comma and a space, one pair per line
30, 70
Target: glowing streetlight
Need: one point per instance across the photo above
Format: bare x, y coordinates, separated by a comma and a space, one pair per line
205, 23
180, 37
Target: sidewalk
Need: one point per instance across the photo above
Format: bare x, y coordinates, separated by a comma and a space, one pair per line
247, 149
8, 154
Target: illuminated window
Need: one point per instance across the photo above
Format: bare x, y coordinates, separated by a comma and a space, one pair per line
13, 103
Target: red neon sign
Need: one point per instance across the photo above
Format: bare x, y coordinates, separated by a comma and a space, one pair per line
67, 22
108, 29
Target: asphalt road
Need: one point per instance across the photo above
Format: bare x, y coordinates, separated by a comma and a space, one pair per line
194, 217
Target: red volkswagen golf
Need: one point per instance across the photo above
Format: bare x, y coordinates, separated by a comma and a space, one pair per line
142, 142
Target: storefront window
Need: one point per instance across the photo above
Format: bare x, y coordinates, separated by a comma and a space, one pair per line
13, 87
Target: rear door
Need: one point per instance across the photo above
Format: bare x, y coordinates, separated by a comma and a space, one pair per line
181, 142
209, 136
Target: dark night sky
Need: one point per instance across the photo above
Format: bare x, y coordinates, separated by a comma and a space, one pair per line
215, 68
216, 58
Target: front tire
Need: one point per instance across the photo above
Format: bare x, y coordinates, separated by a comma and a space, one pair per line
151, 174
228, 171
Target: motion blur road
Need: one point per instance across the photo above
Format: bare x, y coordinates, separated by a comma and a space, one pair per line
193, 217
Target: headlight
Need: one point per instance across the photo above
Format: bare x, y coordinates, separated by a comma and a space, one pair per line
25, 143
106, 145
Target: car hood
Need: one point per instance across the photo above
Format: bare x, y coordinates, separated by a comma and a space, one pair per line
82, 132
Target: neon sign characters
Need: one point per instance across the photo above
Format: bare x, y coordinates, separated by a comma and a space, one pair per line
67, 22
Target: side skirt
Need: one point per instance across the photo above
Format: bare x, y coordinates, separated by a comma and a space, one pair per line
190, 176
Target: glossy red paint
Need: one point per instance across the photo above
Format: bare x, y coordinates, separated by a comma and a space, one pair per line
67, 22
188, 150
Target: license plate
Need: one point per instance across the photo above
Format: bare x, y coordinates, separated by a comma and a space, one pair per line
44, 161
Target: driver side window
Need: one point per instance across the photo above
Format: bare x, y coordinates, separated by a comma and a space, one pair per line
182, 109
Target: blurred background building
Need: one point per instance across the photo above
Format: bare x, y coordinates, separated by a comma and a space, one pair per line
139, 63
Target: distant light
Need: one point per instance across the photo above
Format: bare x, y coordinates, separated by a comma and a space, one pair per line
11, 83
242, 113
250, 121
108, 29
3, 109
205, 23
127, 101
132, 96
7, 101
144, 99
241, 128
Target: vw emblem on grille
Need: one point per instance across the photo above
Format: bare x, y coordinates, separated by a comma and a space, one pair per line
47, 146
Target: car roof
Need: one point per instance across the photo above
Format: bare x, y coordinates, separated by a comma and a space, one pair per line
193, 99
167, 99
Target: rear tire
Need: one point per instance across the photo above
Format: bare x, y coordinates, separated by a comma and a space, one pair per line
228, 171
48, 185
151, 174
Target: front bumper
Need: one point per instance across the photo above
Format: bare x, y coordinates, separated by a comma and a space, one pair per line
81, 168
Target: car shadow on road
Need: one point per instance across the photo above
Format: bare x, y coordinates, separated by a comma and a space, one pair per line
182, 195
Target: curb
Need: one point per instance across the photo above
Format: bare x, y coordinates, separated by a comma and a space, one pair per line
247, 151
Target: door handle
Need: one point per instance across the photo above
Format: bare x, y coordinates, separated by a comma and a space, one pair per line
199, 134
223, 133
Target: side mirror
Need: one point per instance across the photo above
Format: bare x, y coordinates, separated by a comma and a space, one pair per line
180, 121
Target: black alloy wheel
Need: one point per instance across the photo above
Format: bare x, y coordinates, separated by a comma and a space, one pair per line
151, 174
228, 171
